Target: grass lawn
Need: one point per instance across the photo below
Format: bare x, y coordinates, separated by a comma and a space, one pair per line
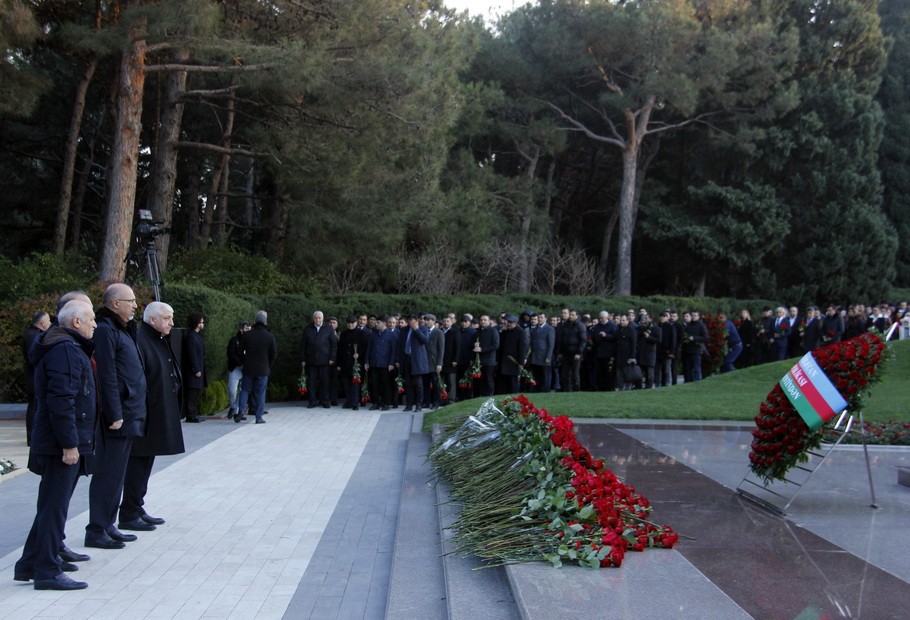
733, 396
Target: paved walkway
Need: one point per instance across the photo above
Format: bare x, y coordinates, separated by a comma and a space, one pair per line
259, 524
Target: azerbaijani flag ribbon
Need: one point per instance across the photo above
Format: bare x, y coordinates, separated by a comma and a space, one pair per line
812, 393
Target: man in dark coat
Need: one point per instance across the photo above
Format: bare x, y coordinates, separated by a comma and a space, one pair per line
412, 362
260, 352
352, 347
813, 332
832, 326
235, 367
542, 343
486, 344
436, 348
164, 435
680, 329
696, 335
666, 351
318, 352
380, 356
194, 377
41, 321
514, 344
764, 332
467, 335
65, 412
603, 340
451, 348
571, 339
123, 391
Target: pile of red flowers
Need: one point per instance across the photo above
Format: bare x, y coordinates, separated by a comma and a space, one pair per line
619, 519
716, 346
781, 438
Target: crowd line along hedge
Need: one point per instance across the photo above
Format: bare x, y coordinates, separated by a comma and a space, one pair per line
288, 314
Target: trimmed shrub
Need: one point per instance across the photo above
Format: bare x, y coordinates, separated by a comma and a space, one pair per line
213, 398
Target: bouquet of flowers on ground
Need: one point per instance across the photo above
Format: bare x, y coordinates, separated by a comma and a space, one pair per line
302, 384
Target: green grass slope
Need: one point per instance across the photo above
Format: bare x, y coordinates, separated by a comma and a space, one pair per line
733, 396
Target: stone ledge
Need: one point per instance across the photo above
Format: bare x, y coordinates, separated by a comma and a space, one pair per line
903, 476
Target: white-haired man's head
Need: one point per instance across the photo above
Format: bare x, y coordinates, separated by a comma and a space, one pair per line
317, 318
160, 316
78, 316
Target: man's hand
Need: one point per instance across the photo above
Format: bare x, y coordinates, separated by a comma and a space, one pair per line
439, 369
116, 425
198, 374
70, 456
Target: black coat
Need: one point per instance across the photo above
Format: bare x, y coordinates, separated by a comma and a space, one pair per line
667, 346
488, 337
467, 336
604, 335
164, 434
29, 336
348, 339
514, 343
260, 351
235, 351
120, 375
696, 337
65, 393
626, 345
571, 338
452, 342
194, 361
648, 340
318, 347
812, 334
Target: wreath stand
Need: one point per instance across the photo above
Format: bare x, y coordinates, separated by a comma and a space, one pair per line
778, 500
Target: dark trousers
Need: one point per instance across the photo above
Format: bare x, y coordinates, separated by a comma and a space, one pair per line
192, 403
252, 394
351, 391
431, 390
486, 380
663, 372
602, 371
543, 375
510, 383
319, 384
135, 486
413, 385
569, 372
381, 386
112, 455
464, 393
692, 367
451, 380
55, 490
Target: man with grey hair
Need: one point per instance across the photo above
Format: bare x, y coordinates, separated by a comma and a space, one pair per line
123, 389
65, 412
318, 352
163, 432
260, 352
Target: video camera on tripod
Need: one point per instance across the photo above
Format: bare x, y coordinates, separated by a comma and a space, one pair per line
147, 230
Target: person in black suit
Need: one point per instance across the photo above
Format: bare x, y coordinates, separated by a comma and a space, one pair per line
680, 329
163, 433
696, 335
794, 346
466, 335
259, 353
451, 353
41, 321
487, 345
412, 361
318, 352
436, 346
65, 411
514, 346
812, 334
542, 343
571, 340
195, 379
352, 346
122, 392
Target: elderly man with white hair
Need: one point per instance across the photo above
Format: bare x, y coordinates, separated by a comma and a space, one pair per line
64, 431
164, 434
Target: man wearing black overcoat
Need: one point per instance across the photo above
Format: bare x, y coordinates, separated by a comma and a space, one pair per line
259, 353
487, 345
318, 353
352, 346
451, 346
163, 434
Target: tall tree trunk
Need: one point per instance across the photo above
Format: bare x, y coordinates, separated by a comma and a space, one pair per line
190, 200
627, 213
164, 178
75, 225
221, 170
124, 157
69, 158
279, 229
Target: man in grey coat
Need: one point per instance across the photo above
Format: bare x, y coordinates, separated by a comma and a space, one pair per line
543, 340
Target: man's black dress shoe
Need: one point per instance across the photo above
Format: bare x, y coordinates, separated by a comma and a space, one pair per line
118, 535
153, 520
408, 408
137, 525
28, 575
311, 406
194, 420
60, 582
325, 406
260, 421
68, 555
103, 542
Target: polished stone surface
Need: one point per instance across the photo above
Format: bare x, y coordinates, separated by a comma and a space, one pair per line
771, 566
